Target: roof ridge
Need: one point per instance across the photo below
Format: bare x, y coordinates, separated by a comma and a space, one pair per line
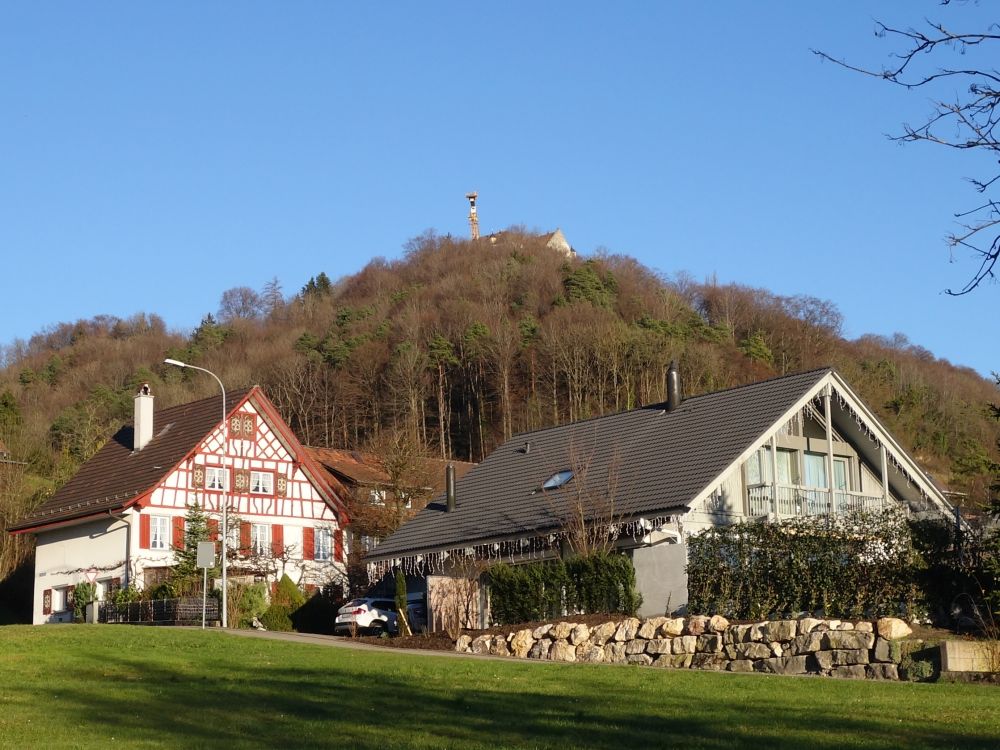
662, 404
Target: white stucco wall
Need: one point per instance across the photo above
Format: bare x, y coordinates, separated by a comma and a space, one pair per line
63, 556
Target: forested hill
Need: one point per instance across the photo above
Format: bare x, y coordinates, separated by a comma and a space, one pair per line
461, 344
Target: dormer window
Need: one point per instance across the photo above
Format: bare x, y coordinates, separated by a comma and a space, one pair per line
558, 479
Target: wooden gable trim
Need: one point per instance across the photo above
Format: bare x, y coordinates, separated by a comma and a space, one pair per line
760, 441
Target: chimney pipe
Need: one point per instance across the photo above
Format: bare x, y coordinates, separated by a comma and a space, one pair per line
142, 428
449, 486
673, 387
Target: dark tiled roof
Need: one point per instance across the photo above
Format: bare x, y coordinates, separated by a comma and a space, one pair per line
648, 460
115, 475
364, 468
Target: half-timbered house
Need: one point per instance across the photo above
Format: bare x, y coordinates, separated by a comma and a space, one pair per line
120, 518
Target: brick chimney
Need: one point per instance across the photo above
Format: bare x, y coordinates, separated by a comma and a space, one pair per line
142, 431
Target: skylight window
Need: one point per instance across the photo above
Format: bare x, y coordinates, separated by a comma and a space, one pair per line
558, 479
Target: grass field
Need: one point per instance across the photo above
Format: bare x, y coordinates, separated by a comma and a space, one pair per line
71, 686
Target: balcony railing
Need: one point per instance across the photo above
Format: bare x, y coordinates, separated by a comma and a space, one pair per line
793, 500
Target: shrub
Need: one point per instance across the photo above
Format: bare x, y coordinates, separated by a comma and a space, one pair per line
319, 613
288, 594
83, 594
600, 582
277, 617
251, 600
852, 566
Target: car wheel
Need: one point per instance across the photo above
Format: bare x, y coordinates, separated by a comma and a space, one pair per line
378, 629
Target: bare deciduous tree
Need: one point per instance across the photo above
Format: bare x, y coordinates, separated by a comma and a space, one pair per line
967, 122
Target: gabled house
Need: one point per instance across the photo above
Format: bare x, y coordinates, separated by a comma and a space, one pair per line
799, 445
118, 520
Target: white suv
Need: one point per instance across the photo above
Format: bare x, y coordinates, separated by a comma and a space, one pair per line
375, 616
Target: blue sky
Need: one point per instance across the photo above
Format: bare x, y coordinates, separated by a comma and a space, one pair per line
155, 155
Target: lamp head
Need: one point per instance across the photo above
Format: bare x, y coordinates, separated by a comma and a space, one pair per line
174, 362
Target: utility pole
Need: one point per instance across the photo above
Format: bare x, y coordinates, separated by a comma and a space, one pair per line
473, 216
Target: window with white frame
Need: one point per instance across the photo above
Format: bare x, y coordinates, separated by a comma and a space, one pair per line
323, 544
260, 538
261, 483
376, 497
159, 532
216, 478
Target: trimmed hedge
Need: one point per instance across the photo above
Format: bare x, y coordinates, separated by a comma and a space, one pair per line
601, 582
858, 565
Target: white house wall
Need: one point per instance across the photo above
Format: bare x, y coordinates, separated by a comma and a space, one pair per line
63, 557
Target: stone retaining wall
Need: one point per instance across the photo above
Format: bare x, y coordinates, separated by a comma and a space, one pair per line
808, 646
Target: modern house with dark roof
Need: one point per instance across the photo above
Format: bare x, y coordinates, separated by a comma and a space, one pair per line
119, 519
798, 445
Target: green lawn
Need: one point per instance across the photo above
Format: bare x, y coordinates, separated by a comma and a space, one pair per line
63, 686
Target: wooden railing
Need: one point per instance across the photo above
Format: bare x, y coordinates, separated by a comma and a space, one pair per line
794, 500
183, 611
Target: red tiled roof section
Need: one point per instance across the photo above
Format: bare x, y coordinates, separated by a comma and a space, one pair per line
115, 474
359, 468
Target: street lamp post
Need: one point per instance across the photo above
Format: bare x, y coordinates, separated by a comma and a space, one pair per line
225, 484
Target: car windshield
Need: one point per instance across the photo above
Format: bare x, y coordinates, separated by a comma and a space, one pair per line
354, 603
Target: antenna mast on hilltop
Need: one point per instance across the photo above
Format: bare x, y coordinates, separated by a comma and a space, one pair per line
473, 216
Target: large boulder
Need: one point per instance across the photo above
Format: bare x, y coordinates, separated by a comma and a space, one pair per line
579, 634
521, 643
892, 628
717, 624
806, 643
642, 659
808, 624
738, 634
672, 626
854, 672
588, 652
680, 661
697, 625
540, 649
463, 644
779, 630
635, 646
686, 644
709, 644
651, 627
714, 662
498, 646
841, 658
657, 646
783, 665
541, 631
481, 644
561, 630
882, 672
848, 639
603, 633
753, 651
562, 651
627, 629
614, 653
740, 665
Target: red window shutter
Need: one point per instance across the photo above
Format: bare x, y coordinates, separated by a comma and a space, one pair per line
47, 602
69, 597
178, 532
213, 530
338, 545
143, 532
116, 583
277, 540
308, 543
244, 535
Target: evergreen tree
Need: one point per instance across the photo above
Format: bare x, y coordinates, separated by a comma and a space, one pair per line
187, 576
